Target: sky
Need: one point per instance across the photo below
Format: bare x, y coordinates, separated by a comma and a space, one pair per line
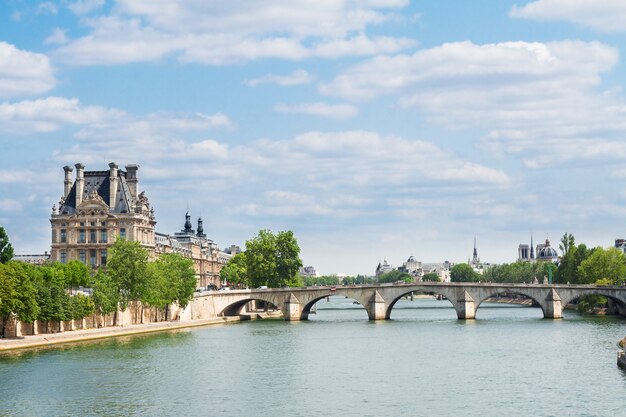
374, 129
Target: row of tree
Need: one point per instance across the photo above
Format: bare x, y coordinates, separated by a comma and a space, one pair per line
577, 265
270, 259
48, 292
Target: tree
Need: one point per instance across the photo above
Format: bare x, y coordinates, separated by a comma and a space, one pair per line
76, 274
567, 243
395, 275
127, 266
568, 267
432, 277
172, 279
17, 293
105, 293
288, 260
6, 250
463, 273
608, 265
273, 260
235, 271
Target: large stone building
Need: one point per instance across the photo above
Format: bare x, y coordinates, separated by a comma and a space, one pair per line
98, 207
544, 252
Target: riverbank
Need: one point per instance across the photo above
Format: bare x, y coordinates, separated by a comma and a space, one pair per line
77, 336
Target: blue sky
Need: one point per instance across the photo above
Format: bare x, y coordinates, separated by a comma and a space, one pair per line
373, 129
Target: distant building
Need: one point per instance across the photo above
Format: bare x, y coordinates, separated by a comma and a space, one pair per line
98, 207
383, 268
412, 267
34, 259
475, 261
621, 244
545, 252
308, 272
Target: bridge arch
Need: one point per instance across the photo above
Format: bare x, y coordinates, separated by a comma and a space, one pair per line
397, 297
308, 305
568, 297
234, 308
537, 302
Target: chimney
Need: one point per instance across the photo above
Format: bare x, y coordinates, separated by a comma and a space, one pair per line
131, 179
112, 186
80, 183
68, 181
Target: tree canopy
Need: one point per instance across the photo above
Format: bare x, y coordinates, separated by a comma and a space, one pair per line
6, 250
464, 273
273, 259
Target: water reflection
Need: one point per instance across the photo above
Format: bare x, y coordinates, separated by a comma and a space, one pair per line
422, 362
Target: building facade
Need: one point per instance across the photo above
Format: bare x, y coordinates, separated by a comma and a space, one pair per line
98, 207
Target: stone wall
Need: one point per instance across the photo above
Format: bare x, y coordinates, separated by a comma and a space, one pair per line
134, 314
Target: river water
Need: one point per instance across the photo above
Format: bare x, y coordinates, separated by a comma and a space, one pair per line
423, 362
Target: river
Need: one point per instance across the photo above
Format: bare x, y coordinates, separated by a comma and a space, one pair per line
423, 362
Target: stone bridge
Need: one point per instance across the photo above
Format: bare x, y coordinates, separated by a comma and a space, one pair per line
379, 299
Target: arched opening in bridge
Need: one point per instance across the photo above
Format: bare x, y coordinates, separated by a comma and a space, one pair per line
250, 306
335, 308
596, 303
421, 306
510, 305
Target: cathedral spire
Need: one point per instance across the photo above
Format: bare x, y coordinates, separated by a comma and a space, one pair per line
532, 248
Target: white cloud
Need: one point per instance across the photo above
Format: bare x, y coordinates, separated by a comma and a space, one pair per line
56, 37
333, 111
81, 7
24, 73
50, 114
10, 206
216, 33
605, 16
528, 96
295, 78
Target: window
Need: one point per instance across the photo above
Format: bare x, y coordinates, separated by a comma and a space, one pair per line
92, 258
103, 236
122, 232
81, 256
63, 257
63, 236
103, 257
103, 223
92, 236
82, 224
81, 236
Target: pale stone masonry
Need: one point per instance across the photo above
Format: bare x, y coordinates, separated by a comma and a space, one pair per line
98, 207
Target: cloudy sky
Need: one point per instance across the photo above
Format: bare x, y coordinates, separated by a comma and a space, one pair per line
371, 128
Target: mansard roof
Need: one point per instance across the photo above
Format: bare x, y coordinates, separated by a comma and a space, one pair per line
98, 182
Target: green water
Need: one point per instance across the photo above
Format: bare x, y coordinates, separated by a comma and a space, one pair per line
423, 362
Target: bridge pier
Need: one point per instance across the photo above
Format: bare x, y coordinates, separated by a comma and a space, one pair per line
376, 307
466, 307
553, 308
291, 308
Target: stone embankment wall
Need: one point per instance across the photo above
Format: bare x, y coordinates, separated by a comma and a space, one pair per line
134, 314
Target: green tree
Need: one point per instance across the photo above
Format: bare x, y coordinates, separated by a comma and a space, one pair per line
432, 277
81, 306
567, 242
105, 293
273, 260
127, 266
288, 260
463, 273
76, 274
6, 250
568, 267
52, 294
176, 279
17, 293
608, 265
235, 271
394, 276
